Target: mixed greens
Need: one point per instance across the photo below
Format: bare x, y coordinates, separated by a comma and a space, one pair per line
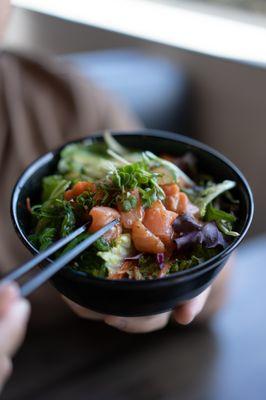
170, 217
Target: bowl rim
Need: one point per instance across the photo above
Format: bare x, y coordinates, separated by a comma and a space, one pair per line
180, 275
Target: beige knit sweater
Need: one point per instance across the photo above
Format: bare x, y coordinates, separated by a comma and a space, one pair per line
43, 103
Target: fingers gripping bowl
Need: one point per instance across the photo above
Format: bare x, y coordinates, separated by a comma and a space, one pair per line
180, 264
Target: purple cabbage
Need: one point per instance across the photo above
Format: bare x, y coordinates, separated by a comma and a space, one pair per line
187, 241
186, 223
191, 233
211, 236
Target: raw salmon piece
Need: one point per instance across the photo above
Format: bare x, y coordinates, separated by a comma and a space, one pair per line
78, 189
182, 204
135, 214
68, 195
144, 240
171, 196
127, 269
81, 187
102, 216
159, 221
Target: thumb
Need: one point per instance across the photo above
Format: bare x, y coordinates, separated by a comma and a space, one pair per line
187, 312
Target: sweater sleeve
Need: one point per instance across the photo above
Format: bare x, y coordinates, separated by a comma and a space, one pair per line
44, 103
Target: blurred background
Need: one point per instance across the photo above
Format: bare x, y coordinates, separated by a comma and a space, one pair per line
196, 68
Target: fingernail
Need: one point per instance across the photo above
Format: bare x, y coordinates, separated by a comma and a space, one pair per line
22, 309
8, 293
185, 319
196, 308
116, 322
185, 314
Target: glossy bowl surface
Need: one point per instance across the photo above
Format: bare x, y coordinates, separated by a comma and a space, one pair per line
127, 297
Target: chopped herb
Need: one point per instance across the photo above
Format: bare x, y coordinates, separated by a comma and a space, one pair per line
43, 239
148, 266
102, 244
69, 220
123, 179
181, 265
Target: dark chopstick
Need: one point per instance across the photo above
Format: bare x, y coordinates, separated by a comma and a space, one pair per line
23, 269
46, 273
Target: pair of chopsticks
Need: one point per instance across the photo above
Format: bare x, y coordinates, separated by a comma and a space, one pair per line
32, 284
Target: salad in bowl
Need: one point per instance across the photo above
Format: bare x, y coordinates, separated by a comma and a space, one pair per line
172, 217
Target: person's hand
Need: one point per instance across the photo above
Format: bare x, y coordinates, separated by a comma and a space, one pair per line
182, 314
14, 313
199, 308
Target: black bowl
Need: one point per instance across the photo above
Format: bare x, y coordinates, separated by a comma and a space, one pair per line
137, 298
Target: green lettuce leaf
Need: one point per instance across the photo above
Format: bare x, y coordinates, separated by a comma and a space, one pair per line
49, 184
223, 220
207, 195
79, 161
115, 255
173, 169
